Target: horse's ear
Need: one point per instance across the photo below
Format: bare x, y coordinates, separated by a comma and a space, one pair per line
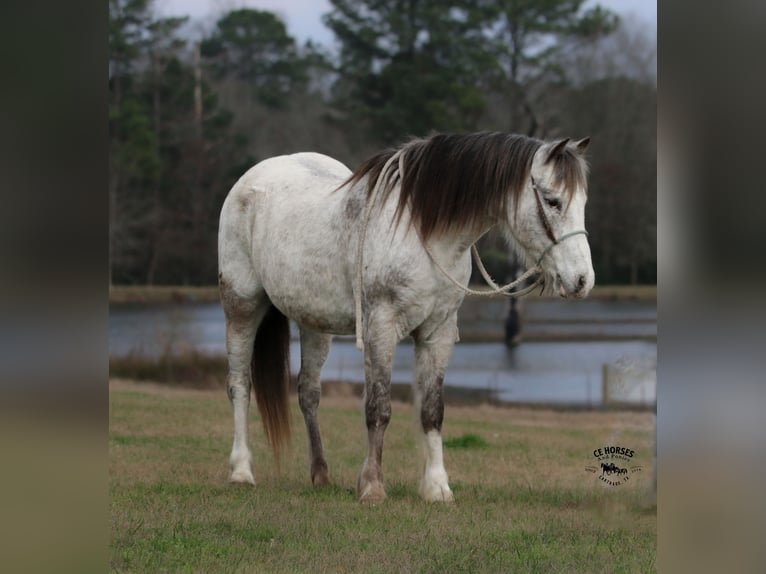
557, 149
582, 145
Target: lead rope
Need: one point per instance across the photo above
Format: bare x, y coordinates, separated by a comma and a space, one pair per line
382, 176
494, 288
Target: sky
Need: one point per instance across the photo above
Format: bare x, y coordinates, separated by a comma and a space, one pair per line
304, 17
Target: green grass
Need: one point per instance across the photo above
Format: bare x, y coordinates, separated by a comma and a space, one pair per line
523, 500
465, 441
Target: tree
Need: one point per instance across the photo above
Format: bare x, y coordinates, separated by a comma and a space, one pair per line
254, 47
201, 164
169, 166
408, 66
133, 165
528, 38
277, 90
612, 97
127, 24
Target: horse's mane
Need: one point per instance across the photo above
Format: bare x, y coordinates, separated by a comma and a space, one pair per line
459, 181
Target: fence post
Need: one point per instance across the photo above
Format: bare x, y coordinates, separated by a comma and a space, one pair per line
604, 384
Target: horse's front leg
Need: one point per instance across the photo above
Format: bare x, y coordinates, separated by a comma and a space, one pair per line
432, 353
379, 345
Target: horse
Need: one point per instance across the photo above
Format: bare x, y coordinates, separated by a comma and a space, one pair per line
382, 251
612, 468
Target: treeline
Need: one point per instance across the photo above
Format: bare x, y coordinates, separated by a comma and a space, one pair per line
190, 112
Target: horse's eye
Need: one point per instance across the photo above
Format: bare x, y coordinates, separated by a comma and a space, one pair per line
553, 202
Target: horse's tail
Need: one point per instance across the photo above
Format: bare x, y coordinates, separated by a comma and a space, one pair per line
271, 378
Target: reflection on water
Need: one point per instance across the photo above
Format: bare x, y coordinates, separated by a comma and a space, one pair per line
533, 372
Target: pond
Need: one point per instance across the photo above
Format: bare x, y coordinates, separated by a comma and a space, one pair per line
553, 371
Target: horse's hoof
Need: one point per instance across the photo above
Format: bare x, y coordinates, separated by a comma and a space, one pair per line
443, 495
242, 477
320, 480
436, 493
372, 493
320, 476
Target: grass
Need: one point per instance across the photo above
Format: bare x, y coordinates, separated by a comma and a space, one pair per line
465, 441
188, 368
195, 370
524, 502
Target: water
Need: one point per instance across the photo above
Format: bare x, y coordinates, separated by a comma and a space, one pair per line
532, 372
540, 372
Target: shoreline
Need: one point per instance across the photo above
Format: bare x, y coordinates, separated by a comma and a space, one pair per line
151, 294
454, 396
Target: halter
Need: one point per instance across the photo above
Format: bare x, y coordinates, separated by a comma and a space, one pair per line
547, 224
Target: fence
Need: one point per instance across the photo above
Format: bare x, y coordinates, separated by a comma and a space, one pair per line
629, 381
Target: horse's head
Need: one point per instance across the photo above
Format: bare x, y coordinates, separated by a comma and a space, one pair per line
549, 218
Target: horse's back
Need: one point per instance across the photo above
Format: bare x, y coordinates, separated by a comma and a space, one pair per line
320, 165
307, 174
304, 171
284, 222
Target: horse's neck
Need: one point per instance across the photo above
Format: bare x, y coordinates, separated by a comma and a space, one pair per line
453, 247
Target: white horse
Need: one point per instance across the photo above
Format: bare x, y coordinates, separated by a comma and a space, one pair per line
291, 230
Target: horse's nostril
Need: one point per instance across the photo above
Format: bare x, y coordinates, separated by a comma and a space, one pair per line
580, 282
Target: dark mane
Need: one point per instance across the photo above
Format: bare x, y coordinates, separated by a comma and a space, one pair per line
464, 180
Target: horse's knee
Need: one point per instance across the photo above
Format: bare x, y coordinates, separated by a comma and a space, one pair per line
238, 388
308, 397
377, 410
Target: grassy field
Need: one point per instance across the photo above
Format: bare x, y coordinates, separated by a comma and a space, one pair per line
524, 502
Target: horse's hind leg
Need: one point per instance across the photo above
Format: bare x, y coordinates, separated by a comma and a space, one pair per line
432, 353
243, 316
314, 349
